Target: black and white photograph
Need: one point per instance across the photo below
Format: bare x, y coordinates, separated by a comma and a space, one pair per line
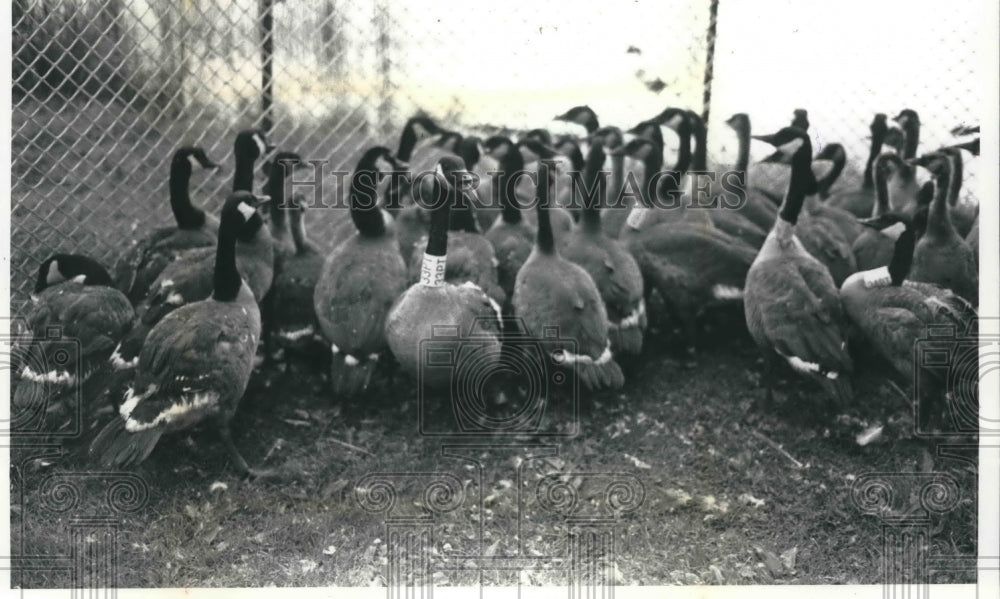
522, 299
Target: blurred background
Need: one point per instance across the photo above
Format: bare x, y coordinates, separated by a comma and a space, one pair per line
104, 91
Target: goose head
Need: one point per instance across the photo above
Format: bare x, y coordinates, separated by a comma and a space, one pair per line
471, 149
791, 145
66, 267
937, 163
890, 224
800, 119
581, 115
188, 157
648, 130
610, 137
540, 135
250, 145
568, 147
739, 122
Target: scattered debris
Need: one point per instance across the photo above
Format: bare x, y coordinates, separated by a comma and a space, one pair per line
870, 434
218, 486
307, 565
330, 550
637, 462
750, 500
779, 449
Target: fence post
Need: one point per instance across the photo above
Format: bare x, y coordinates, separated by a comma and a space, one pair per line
267, 64
713, 15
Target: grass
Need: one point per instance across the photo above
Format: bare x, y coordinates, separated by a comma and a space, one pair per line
721, 506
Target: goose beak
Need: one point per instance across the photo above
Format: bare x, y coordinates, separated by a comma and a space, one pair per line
619, 151
777, 157
261, 200
769, 139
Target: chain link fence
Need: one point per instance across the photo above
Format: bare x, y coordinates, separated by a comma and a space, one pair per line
104, 91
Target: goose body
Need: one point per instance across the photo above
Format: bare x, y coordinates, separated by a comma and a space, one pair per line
73, 295
432, 304
942, 257
136, 270
550, 291
791, 304
610, 265
359, 282
195, 363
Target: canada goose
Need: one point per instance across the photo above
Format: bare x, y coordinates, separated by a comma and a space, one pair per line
511, 236
433, 304
189, 278
909, 121
874, 246
963, 215
942, 257
278, 169
609, 264
791, 304
136, 270
359, 281
195, 363
73, 295
760, 207
295, 324
552, 292
734, 222
681, 255
532, 153
861, 201
892, 314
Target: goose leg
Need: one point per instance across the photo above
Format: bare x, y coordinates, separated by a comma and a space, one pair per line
237, 458
767, 379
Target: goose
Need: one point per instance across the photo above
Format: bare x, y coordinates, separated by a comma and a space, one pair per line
528, 193
942, 257
609, 264
190, 277
691, 265
550, 291
892, 314
136, 270
909, 121
790, 300
510, 235
278, 169
874, 246
964, 214
433, 304
860, 202
195, 363
295, 325
734, 222
619, 203
471, 257
75, 296
759, 207
359, 281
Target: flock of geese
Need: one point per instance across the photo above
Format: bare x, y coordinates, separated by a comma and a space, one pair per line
588, 235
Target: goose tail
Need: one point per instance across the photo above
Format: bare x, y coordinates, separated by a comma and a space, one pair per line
596, 373
839, 388
115, 447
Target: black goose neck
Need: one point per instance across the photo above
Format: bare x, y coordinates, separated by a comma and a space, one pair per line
243, 177
653, 164
226, 278
957, 172
912, 134
407, 143
699, 160
832, 175
902, 257
881, 195
545, 241
437, 238
873, 151
276, 189
511, 164
801, 184
186, 215
365, 213
743, 147
590, 217
938, 220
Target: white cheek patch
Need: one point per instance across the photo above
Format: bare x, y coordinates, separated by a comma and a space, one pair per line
246, 210
383, 165
53, 276
674, 122
791, 147
420, 131
440, 171
194, 161
260, 144
79, 279
893, 232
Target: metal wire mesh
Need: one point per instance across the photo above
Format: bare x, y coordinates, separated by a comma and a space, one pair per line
105, 90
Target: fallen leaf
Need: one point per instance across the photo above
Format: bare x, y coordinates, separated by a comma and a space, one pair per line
307, 565
872, 433
637, 462
218, 486
750, 500
788, 558
330, 550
